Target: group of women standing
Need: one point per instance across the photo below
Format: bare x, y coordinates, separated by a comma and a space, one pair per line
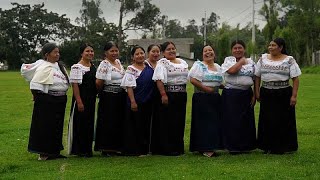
142, 109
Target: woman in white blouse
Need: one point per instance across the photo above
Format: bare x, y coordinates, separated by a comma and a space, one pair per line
238, 101
81, 123
277, 132
170, 75
48, 83
112, 103
140, 87
206, 76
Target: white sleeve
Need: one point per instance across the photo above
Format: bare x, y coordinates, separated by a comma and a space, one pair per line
76, 74
104, 71
228, 63
257, 68
294, 68
160, 72
196, 71
129, 79
28, 70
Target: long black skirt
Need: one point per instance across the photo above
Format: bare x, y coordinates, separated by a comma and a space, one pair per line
110, 122
239, 131
277, 130
137, 130
206, 123
168, 128
81, 127
47, 124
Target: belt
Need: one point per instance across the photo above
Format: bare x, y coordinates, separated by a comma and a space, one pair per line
275, 84
57, 93
215, 90
175, 88
113, 89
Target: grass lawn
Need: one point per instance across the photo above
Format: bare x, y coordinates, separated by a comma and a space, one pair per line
17, 163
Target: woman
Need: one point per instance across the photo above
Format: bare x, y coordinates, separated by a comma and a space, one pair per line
277, 131
112, 103
170, 75
206, 76
139, 85
153, 55
238, 101
49, 84
81, 124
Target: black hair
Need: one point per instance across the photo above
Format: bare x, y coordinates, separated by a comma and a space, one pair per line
281, 43
238, 42
133, 50
206, 46
166, 44
47, 48
109, 45
151, 46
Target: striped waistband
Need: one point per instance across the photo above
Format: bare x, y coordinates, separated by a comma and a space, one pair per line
57, 93
176, 88
275, 84
113, 89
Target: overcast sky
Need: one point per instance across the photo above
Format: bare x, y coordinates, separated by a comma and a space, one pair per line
230, 11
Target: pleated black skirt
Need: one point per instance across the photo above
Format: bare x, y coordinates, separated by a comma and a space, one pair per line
206, 123
110, 122
239, 132
277, 130
168, 127
137, 130
47, 124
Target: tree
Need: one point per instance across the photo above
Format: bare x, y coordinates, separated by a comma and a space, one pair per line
27, 28
270, 12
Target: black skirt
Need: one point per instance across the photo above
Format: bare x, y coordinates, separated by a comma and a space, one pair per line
47, 124
277, 130
168, 127
137, 130
110, 122
239, 132
206, 122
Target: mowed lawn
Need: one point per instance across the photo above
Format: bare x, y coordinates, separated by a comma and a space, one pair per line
17, 163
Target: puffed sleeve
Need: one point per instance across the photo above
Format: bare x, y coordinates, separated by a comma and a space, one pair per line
28, 70
129, 79
76, 74
228, 63
104, 71
294, 68
196, 71
160, 72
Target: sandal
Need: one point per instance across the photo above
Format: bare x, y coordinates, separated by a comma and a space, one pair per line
209, 154
43, 157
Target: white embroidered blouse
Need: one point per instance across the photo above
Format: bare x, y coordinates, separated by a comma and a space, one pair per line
109, 73
241, 80
208, 78
129, 79
171, 73
282, 70
77, 72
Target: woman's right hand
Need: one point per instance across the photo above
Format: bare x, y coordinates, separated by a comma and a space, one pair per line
164, 100
80, 107
134, 107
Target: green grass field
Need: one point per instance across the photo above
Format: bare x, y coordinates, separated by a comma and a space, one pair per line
17, 163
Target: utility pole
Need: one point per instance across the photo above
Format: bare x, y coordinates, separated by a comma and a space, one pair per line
253, 31
205, 29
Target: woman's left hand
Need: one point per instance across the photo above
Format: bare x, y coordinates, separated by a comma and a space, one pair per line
293, 101
253, 101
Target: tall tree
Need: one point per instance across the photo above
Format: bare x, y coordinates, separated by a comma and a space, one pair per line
270, 13
25, 28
